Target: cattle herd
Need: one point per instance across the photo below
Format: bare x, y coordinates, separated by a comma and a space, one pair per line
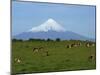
80, 44
89, 44
42, 49
74, 45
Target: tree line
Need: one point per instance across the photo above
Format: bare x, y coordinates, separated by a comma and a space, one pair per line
31, 39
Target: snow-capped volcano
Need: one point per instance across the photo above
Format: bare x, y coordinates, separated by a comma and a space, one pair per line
50, 24
52, 30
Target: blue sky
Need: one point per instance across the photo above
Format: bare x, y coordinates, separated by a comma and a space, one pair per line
76, 18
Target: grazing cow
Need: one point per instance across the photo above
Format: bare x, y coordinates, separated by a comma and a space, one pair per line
79, 44
90, 44
93, 44
74, 45
91, 57
68, 46
87, 45
37, 49
41, 48
17, 60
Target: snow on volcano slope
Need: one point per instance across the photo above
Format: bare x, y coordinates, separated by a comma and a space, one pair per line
50, 24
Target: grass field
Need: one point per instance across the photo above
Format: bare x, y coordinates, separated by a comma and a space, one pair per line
60, 58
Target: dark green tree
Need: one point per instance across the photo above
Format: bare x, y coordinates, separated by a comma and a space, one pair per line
14, 39
48, 39
58, 39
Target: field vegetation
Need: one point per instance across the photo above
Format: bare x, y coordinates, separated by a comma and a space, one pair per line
35, 55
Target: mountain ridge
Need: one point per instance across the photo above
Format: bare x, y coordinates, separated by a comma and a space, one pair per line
52, 35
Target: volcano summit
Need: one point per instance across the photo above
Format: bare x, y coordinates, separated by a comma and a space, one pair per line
49, 25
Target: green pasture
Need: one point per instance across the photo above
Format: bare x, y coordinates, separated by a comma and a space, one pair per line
60, 58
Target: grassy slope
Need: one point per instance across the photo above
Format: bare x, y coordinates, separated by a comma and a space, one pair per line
60, 58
